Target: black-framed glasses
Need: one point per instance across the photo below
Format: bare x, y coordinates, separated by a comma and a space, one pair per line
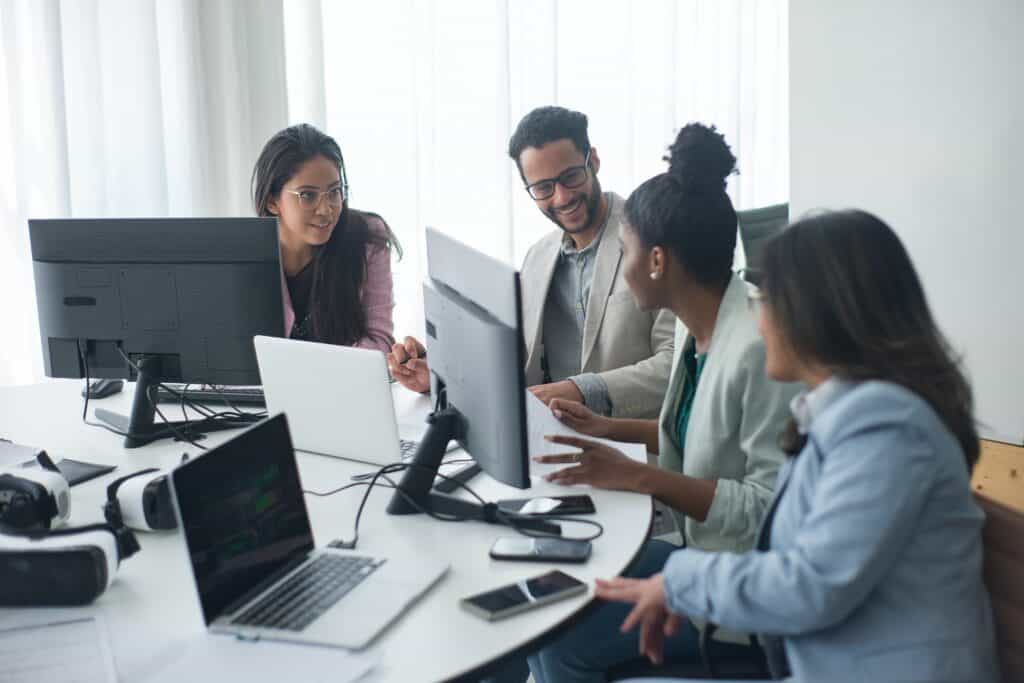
309, 200
570, 179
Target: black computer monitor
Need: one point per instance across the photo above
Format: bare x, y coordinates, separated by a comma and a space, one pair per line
156, 300
474, 323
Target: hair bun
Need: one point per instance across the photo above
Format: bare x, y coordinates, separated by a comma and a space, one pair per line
700, 157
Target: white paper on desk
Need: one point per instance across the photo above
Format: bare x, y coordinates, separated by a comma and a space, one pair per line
71, 650
541, 422
213, 657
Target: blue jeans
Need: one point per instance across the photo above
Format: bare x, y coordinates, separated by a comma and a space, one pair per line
587, 650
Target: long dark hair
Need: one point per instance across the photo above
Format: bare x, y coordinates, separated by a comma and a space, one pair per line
687, 210
842, 291
339, 265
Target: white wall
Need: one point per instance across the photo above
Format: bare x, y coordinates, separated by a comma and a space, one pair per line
914, 110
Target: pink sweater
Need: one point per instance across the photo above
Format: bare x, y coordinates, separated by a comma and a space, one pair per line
377, 296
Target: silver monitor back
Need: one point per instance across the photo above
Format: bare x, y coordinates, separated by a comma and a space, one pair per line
473, 309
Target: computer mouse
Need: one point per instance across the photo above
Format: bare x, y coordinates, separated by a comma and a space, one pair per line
101, 388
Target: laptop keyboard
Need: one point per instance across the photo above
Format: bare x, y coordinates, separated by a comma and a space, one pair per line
308, 593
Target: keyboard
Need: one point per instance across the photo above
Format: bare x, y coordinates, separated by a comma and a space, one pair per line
308, 593
241, 396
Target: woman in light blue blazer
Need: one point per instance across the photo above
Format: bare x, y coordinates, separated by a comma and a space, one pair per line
868, 565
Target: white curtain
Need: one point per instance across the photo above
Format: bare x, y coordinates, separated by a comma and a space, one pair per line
160, 107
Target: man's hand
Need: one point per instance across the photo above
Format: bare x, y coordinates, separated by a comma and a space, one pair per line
598, 465
566, 390
408, 366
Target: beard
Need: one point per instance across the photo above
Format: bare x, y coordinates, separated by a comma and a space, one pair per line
591, 203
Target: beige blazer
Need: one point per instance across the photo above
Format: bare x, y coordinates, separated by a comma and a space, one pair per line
732, 435
630, 349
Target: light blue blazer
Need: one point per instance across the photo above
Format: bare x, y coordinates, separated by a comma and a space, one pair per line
872, 562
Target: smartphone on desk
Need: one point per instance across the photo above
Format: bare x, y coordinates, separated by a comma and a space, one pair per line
540, 549
524, 595
560, 505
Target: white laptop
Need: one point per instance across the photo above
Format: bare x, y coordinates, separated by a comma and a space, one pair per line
259, 576
337, 398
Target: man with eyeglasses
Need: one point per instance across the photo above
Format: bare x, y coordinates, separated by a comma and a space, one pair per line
586, 340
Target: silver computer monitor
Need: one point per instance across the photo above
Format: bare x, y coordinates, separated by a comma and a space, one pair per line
474, 324
473, 310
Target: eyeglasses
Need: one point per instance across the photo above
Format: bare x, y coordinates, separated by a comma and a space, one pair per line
570, 178
309, 200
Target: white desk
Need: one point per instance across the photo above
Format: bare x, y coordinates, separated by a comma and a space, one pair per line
152, 609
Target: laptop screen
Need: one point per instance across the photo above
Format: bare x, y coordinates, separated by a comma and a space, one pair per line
242, 513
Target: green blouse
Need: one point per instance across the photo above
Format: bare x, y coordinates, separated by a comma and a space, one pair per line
693, 363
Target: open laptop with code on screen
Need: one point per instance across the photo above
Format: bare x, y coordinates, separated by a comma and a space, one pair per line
256, 568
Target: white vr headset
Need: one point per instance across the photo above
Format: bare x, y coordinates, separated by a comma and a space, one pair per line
55, 567
141, 501
34, 497
43, 566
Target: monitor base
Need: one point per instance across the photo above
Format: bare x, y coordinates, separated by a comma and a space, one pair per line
140, 427
416, 494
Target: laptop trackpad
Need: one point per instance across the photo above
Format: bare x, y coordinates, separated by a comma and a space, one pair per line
358, 617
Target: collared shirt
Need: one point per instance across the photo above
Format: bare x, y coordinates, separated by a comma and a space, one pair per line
565, 315
807, 405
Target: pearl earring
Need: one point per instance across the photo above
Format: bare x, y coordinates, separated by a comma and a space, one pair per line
655, 275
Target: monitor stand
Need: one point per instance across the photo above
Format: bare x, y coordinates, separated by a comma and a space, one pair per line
418, 481
140, 428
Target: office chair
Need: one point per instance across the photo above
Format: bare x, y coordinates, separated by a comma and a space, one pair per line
757, 226
1004, 564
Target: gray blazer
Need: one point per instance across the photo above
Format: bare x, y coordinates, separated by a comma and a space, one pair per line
732, 436
872, 562
630, 349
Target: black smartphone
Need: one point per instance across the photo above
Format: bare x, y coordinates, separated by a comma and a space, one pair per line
524, 595
567, 505
540, 549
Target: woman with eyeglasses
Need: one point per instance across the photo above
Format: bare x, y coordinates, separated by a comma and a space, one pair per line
336, 260
869, 564
718, 454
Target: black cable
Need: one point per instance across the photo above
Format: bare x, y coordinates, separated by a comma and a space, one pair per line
178, 434
209, 415
208, 412
169, 429
83, 359
509, 518
184, 412
223, 397
325, 494
383, 471
369, 475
